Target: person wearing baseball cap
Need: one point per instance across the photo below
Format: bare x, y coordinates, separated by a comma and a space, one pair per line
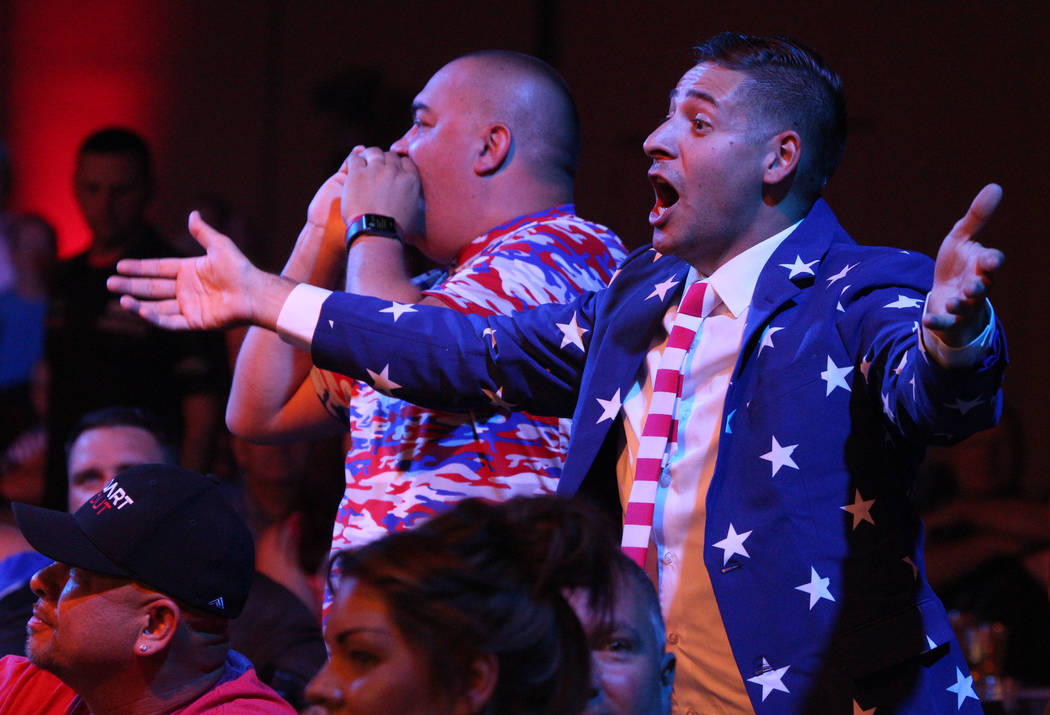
132, 616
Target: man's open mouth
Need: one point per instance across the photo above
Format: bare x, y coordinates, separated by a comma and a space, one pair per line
666, 198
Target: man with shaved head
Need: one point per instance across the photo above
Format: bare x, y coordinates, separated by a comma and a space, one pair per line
491, 154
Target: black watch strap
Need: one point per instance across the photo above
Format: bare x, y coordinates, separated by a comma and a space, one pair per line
373, 225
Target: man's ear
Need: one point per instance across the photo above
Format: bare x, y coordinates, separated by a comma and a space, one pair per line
785, 153
667, 667
496, 150
484, 674
162, 616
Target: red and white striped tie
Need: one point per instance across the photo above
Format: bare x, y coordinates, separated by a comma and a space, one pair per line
660, 424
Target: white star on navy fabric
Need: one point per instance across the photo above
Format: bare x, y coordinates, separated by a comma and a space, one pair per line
887, 410
817, 588
489, 333
610, 408
770, 680
900, 366
858, 710
571, 332
733, 544
963, 688
767, 338
841, 274
838, 305
399, 309
929, 642
904, 301
798, 267
331, 324
780, 456
496, 398
660, 289
965, 406
860, 509
381, 380
729, 430
835, 376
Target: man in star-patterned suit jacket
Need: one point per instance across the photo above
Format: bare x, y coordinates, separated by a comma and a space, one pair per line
835, 378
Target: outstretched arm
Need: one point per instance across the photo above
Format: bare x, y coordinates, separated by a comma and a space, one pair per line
955, 309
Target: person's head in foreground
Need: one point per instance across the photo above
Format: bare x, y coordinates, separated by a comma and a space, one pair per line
573, 545
473, 613
449, 623
133, 613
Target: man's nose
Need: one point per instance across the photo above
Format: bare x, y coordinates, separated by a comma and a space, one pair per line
400, 147
657, 144
47, 582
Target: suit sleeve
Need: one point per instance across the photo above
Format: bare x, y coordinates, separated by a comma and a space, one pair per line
918, 399
442, 359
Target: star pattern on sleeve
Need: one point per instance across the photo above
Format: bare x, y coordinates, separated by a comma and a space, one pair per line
886, 409
838, 306
860, 509
490, 333
610, 407
496, 398
841, 274
571, 332
770, 679
660, 289
733, 544
858, 710
900, 366
729, 430
835, 376
964, 406
767, 338
798, 267
399, 309
904, 301
381, 380
780, 456
817, 588
963, 688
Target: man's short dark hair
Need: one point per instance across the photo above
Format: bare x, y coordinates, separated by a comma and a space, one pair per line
119, 140
126, 417
791, 88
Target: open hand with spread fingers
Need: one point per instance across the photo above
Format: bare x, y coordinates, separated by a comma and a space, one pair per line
955, 309
217, 290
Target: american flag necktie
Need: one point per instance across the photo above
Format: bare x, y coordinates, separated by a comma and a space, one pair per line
660, 424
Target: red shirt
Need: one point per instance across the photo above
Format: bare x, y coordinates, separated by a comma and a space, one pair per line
26, 689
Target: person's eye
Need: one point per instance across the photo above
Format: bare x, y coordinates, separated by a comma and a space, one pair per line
701, 123
618, 645
363, 658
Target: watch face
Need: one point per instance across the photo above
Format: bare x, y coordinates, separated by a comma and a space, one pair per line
381, 224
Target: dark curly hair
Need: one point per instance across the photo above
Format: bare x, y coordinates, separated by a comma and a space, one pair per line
467, 583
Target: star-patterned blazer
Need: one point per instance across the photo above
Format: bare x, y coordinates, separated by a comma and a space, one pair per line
813, 548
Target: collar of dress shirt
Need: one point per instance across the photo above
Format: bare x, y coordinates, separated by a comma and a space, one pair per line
734, 281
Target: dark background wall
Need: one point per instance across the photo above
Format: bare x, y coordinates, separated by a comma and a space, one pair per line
257, 102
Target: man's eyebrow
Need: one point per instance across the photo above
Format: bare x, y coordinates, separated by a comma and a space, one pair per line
418, 107
697, 94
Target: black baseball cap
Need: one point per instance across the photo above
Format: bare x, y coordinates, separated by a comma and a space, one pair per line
162, 525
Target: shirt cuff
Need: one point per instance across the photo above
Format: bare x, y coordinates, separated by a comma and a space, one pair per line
965, 356
299, 315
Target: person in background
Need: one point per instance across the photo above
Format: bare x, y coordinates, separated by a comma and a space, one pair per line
133, 615
100, 354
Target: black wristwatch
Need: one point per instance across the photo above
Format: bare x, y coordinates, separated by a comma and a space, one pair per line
373, 225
